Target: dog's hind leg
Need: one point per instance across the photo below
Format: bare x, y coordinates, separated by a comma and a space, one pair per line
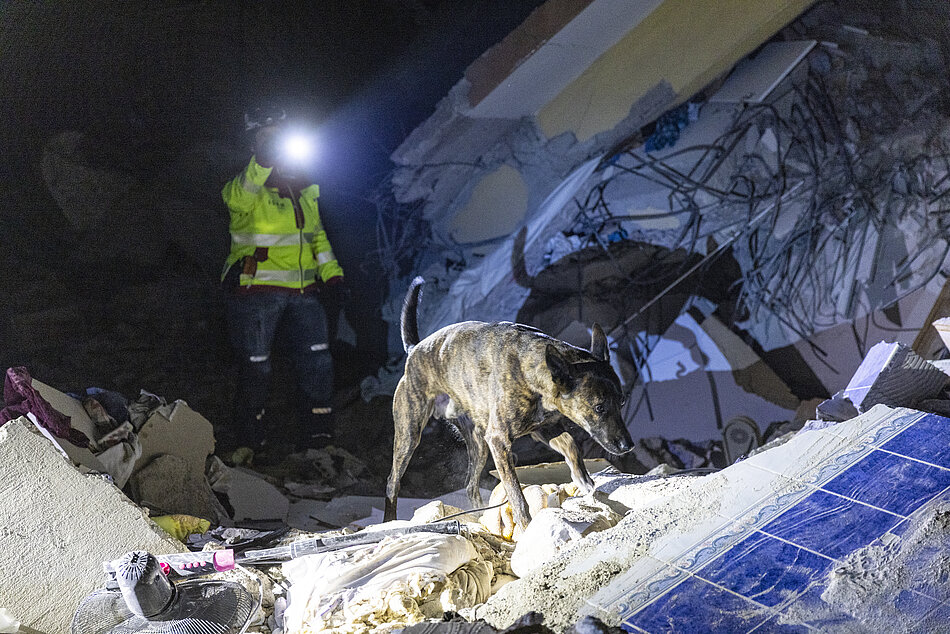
477, 451
411, 413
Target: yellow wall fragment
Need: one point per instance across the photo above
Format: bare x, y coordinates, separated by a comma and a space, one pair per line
687, 43
496, 207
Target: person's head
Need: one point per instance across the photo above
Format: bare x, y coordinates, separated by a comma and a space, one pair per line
262, 126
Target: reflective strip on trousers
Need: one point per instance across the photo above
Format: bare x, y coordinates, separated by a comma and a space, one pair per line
269, 239
285, 276
322, 410
326, 256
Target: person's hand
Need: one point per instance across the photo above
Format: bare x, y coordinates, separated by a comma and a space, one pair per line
336, 291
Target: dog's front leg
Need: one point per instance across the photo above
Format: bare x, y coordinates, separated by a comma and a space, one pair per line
499, 443
564, 444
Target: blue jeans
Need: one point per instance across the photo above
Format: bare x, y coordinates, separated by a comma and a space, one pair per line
253, 320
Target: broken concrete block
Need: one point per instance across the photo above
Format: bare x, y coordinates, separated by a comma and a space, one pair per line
251, 496
59, 526
168, 485
551, 528
178, 430
836, 409
894, 375
180, 441
436, 510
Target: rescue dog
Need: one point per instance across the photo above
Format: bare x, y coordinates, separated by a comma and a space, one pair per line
497, 382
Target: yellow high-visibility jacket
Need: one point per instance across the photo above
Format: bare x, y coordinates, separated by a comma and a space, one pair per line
297, 248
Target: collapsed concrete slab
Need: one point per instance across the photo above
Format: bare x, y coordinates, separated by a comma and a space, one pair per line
58, 526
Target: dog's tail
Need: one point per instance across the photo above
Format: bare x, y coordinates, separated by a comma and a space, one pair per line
408, 324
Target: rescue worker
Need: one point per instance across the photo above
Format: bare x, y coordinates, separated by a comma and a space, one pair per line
280, 260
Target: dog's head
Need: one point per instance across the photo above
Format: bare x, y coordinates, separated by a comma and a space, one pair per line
589, 393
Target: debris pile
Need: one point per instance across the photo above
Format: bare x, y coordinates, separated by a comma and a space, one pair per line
629, 553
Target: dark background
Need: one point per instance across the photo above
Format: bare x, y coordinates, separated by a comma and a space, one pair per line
114, 235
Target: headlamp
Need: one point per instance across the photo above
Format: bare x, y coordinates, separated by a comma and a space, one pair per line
297, 148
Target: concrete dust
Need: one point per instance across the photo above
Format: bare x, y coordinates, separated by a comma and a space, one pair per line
559, 587
871, 585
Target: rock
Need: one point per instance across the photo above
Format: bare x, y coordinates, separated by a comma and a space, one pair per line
433, 511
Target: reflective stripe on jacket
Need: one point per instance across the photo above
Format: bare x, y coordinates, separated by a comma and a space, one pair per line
297, 251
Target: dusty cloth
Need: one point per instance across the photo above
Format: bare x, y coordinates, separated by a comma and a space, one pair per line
118, 452
379, 587
501, 521
22, 398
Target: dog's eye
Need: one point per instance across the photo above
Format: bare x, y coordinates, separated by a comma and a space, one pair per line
600, 408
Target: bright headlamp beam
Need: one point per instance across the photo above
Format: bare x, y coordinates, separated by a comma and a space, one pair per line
298, 148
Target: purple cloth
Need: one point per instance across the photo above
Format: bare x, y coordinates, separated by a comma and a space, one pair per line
21, 397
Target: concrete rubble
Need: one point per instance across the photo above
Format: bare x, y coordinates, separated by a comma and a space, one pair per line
59, 525
577, 553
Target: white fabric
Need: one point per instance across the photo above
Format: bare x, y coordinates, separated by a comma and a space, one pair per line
352, 589
120, 458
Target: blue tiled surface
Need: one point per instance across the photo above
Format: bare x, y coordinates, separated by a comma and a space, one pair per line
696, 606
830, 525
775, 626
937, 622
912, 607
811, 610
890, 482
928, 439
767, 570
773, 578
925, 565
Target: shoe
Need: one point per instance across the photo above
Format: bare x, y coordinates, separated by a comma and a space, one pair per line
315, 441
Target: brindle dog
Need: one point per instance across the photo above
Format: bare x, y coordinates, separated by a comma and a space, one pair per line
497, 382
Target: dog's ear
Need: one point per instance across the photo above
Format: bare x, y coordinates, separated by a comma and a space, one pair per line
598, 343
560, 369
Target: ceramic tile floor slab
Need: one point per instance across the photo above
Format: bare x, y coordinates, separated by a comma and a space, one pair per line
789, 520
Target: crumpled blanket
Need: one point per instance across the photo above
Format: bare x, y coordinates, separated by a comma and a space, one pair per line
22, 398
379, 587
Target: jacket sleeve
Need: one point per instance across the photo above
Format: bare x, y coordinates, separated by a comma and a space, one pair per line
327, 265
240, 192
